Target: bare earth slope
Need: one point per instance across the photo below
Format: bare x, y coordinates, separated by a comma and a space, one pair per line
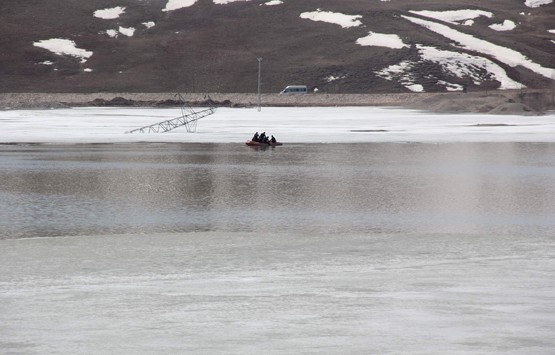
213, 47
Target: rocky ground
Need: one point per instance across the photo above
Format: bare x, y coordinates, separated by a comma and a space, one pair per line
517, 102
529, 102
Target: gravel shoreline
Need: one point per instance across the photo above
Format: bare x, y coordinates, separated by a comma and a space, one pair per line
45, 100
496, 102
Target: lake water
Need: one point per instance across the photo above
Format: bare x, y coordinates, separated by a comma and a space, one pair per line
303, 248
320, 188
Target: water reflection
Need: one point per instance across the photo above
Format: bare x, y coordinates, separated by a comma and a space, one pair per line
320, 188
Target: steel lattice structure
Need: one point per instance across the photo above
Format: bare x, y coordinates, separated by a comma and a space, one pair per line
188, 118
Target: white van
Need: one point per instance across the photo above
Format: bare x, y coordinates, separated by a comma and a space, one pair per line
294, 89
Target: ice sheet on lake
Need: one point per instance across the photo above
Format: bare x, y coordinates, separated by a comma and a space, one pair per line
300, 125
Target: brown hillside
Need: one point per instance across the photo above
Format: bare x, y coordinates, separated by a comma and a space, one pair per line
210, 47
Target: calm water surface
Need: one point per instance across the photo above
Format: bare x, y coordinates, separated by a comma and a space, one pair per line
501, 188
301, 249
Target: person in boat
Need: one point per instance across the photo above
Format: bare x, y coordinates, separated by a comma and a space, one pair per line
262, 137
255, 138
273, 139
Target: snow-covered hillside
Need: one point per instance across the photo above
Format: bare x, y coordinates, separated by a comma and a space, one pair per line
332, 46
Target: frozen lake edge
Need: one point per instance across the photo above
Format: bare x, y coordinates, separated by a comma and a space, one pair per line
289, 124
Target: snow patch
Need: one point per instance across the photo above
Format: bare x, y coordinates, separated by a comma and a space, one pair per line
149, 24
112, 33
381, 40
551, 31
62, 46
336, 18
331, 78
457, 64
402, 73
503, 54
391, 71
454, 16
415, 87
223, 2
468, 66
127, 31
273, 3
537, 3
450, 86
178, 4
507, 25
109, 14
46, 62
87, 70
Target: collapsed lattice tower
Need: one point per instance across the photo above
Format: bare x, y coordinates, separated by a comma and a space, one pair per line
188, 118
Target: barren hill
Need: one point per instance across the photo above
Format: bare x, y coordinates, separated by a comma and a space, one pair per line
336, 46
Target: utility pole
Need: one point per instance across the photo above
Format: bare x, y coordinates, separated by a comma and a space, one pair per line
259, 68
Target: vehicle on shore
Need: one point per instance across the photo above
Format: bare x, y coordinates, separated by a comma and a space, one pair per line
294, 89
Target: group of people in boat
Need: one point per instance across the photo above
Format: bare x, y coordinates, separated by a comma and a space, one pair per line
263, 138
